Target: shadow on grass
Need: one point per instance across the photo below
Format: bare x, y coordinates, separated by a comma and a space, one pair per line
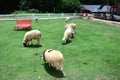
52, 71
34, 46
68, 41
22, 30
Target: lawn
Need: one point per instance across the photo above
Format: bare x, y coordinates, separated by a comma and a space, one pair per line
94, 53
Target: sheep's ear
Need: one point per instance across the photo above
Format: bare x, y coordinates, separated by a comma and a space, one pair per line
44, 51
63, 42
49, 50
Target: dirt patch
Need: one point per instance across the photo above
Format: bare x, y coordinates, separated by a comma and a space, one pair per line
102, 77
115, 23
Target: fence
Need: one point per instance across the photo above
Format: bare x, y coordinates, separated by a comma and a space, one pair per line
39, 16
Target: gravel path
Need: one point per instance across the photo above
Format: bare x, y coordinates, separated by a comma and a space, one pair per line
108, 22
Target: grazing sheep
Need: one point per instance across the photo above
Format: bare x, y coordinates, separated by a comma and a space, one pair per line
72, 25
67, 19
36, 19
33, 34
90, 16
68, 33
54, 58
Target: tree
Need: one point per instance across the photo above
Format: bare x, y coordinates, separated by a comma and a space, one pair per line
96, 2
51, 5
25, 4
70, 5
7, 6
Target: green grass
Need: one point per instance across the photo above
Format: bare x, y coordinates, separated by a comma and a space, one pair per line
94, 53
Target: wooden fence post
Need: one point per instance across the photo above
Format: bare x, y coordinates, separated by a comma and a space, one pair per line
62, 14
48, 15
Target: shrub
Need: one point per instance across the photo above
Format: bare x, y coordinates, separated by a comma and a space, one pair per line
33, 11
26, 11
18, 11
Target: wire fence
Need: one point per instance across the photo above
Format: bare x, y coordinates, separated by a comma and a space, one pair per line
39, 16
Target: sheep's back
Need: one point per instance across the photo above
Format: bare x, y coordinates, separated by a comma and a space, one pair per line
67, 33
73, 25
53, 56
33, 34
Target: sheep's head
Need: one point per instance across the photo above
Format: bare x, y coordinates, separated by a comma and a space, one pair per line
25, 43
73, 26
63, 41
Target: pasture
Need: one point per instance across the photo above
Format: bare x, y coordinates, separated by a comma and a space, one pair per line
94, 53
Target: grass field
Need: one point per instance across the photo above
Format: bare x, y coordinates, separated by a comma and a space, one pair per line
94, 53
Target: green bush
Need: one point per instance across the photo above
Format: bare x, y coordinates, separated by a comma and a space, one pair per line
33, 11
26, 11
18, 11
70, 5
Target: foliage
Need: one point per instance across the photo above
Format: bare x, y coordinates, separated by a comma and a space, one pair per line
24, 4
42, 5
100, 2
111, 2
48, 5
70, 5
7, 6
26, 11
19, 11
93, 2
33, 11
51, 6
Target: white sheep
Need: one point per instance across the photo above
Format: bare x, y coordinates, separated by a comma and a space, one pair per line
67, 19
36, 19
33, 34
72, 25
68, 33
54, 58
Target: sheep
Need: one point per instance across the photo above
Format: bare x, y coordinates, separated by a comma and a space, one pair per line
90, 16
36, 19
67, 19
68, 33
53, 58
33, 34
73, 25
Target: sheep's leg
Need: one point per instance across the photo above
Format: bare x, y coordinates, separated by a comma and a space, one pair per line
63, 73
49, 65
61, 69
28, 43
31, 42
38, 42
72, 35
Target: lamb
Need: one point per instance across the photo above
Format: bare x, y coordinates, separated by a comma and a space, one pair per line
67, 19
54, 58
68, 33
33, 34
